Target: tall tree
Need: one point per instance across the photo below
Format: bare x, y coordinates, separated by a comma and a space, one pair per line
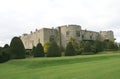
17, 48
39, 51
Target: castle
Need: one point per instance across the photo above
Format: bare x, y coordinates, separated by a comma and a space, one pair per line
62, 35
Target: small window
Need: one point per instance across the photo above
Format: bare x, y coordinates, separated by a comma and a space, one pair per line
82, 36
78, 33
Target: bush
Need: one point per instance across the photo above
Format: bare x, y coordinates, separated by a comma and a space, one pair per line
70, 51
17, 48
39, 51
46, 46
4, 55
53, 50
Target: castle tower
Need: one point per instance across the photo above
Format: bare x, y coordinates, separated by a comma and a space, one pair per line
67, 32
107, 35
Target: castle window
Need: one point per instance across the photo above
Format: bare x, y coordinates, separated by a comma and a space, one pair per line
67, 33
52, 38
82, 36
78, 33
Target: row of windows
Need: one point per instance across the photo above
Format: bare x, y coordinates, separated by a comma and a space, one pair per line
78, 34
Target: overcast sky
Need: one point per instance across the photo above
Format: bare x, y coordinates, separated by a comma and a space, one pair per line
22, 16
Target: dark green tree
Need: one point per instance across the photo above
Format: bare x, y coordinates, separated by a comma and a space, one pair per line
4, 53
97, 47
39, 51
17, 48
33, 51
87, 46
53, 50
70, 51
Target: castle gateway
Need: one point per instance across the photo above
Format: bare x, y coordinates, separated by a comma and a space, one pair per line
62, 35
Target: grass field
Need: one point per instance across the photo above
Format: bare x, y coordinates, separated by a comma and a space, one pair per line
101, 66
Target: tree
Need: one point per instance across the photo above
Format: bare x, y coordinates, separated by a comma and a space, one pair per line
97, 47
6, 46
70, 51
53, 50
17, 48
46, 46
4, 53
87, 46
39, 51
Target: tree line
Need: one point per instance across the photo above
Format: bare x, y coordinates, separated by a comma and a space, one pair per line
16, 50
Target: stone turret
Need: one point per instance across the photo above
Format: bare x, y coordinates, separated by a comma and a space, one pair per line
107, 35
69, 31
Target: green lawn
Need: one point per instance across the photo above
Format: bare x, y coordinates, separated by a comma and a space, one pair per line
101, 66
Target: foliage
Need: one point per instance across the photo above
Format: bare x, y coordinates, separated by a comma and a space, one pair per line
53, 50
39, 51
70, 51
109, 45
4, 54
97, 47
46, 46
17, 48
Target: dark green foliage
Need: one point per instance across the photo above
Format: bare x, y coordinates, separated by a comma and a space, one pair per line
91, 46
97, 47
109, 45
53, 50
6, 46
87, 46
4, 54
39, 51
17, 48
70, 51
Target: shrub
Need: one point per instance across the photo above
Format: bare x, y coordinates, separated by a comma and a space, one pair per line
17, 48
39, 51
4, 55
70, 51
53, 50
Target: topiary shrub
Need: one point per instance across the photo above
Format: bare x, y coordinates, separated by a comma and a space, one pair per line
53, 50
38, 51
70, 51
17, 48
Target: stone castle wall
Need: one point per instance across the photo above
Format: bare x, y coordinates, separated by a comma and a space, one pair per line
62, 35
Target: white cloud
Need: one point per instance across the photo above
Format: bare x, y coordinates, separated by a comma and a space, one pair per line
21, 16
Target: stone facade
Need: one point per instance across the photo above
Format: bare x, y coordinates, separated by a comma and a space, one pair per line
62, 35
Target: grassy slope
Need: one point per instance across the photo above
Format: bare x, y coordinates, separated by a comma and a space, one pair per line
104, 66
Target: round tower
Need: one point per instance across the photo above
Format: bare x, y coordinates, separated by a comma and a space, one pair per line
69, 31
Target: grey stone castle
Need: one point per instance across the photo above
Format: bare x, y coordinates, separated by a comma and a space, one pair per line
62, 35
